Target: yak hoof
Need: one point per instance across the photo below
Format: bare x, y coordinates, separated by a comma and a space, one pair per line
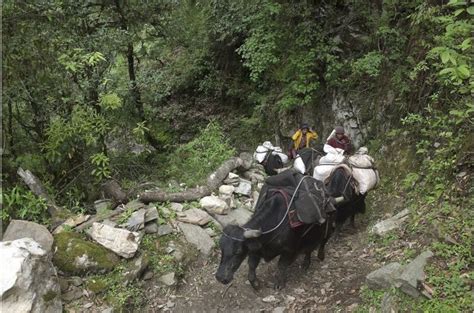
255, 284
279, 284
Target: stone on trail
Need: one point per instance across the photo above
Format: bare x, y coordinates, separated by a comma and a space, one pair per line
226, 190
168, 279
177, 207
195, 216
197, 237
29, 282
151, 214
238, 216
389, 303
244, 188
384, 277
18, 229
381, 228
136, 221
151, 228
75, 255
135, 268
412, 274
213, 204
120, 241
270, 299
71, 222
164, 230
232, 179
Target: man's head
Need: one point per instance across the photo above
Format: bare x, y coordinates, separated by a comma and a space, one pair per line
339, 132
304, 128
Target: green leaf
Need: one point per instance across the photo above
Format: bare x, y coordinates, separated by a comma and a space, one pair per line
458, 11
463, 71
445, 57
470, 10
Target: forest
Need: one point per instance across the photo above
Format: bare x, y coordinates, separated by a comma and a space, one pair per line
104, 101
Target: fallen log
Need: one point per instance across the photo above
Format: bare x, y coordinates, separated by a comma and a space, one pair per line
244, 162
112, 190
37, 188
101, 217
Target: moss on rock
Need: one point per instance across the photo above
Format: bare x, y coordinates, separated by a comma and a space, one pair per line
75, 255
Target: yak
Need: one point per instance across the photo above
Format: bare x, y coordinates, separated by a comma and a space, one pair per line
347, 201
268, 234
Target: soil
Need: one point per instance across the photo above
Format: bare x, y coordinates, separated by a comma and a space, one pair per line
329, 286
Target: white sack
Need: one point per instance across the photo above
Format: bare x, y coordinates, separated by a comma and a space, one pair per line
260, 153
362, 160
333, 156
321, 172
299, 165
367, 179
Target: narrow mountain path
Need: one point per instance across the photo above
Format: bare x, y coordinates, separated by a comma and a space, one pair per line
328, 286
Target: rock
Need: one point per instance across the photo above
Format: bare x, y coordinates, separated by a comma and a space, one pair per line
232, 179
148, 275
195, 216
198, 237
412, 274
120, 241
135, 268
63, 284
71, 222
178, 255
389, 303
381, 228
107, 310
255, 196
270, 299
210, 232
238, 216
244, 188
279, 309
247, 160
19, 229
177, 207
353, 307
384, 277
73, 294
75, 255
134, 205
164, 230
254, 177
151, 214
88, 305
76, 281
29, 282
168, 279
151, 228
226, 190
109, 223
436, 145
170, 304
136, 221
213, 204
102, 205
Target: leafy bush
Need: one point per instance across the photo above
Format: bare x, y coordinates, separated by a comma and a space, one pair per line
22, 204
369, 64
192, 162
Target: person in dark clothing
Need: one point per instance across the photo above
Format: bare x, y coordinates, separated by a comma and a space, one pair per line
340, 140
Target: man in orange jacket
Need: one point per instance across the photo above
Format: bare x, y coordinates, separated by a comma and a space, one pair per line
301, 139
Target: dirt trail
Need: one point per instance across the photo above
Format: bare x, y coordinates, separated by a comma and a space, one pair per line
328, 286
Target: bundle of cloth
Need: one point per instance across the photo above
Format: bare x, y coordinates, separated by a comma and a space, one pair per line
333, 157
363, 170
361, 165
264, 150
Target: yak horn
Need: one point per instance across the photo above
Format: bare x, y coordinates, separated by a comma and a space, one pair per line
252, 233
339, 199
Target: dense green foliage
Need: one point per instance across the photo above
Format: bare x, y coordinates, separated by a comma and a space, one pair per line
90, 83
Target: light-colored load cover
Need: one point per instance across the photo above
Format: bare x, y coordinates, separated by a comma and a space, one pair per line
333, 156
321, 172
263, 149
299, 165
367, 178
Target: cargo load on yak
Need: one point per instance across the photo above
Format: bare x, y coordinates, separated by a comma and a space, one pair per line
305, 160
305, 198
363, 170
270, 157
333, 157
361, 166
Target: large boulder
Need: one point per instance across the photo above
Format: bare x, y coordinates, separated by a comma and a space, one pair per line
384, 277
238, 216
24, 229
198, 237
121, 241
214, 204
412, 274
29, 282
74, 255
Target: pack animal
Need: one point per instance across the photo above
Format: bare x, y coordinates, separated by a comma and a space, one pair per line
348, 201
255, 241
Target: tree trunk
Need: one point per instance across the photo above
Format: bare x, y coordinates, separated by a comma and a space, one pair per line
244, 162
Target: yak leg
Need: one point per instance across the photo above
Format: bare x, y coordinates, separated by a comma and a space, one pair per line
353, 225
307, 260
253, 262
283, 263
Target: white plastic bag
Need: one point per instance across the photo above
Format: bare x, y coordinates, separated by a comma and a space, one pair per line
299, 165
361, 159
260, 154
367, 179
333, 156
321, 172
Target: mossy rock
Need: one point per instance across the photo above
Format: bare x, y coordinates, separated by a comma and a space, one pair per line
75, 255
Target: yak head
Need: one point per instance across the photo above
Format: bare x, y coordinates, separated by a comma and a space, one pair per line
234, 245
